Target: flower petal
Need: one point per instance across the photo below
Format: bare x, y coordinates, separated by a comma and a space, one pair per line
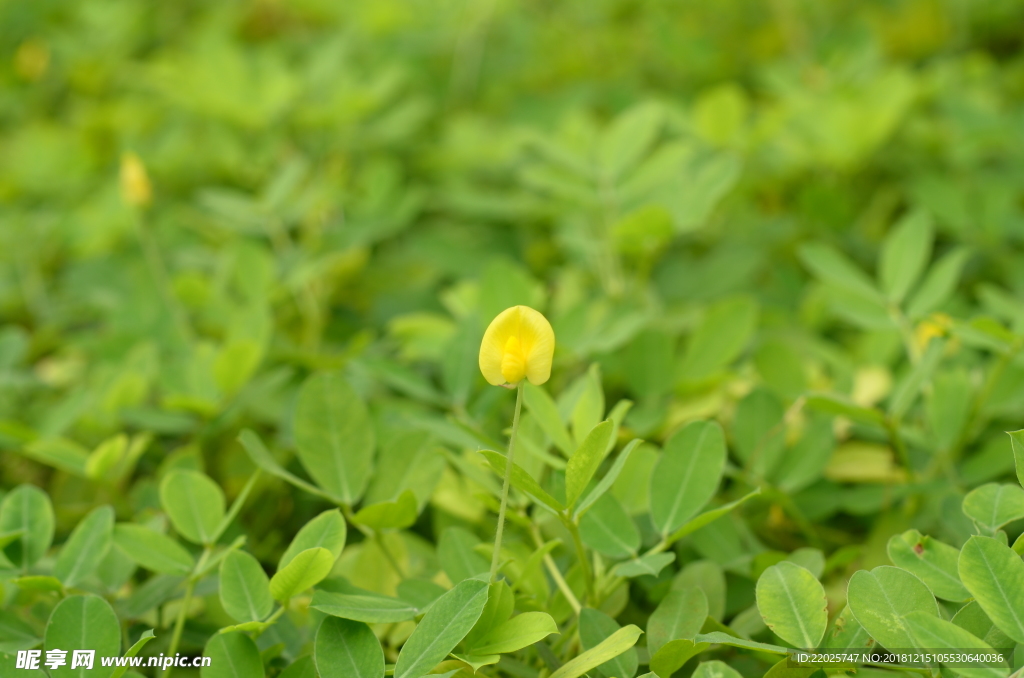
492, 348
538, 342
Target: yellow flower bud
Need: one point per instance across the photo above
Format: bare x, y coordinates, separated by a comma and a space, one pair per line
135, 187
518, 344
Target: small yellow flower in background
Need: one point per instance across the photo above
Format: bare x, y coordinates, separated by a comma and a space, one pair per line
935, 325
518, 344
136, 190
32, 60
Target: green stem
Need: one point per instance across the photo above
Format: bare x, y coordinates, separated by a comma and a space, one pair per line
508, 479
157, 269
581, 554
556, 574
179, 624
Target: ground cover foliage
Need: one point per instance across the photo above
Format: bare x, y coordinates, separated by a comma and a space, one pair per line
248, 251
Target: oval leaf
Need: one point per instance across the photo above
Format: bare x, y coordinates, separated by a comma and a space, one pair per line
994, 575
879, 599
307, 568
152, 550
327, 530
934, 562
83, 623
86, 547
595, 628
687, 475
371, 609
194, 503
994, 505
27, 509
232, 655
446, 623
244, 587
611, 647
334, 436
793, 604
347, 649
679, 616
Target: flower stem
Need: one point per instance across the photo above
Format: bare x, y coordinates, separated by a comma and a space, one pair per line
508, 479
190, 586
581, 554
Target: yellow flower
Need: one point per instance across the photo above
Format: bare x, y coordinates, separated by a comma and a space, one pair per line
136, 190
518, 343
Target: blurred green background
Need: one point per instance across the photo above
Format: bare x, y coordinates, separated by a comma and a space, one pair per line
364, 185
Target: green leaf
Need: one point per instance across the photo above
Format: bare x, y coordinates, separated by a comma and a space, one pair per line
133, 651
415, 463
939, 284
847, 633
39, 582
609, 530
907, 390
679, 616
613, 645
458, 558
595, 627
585, 460
994, 505
86, 547
715, 669
932, 633
839, 405
83, 623
649, 564
709, 577
516, 633
673, 654
244, 588
27, 509
334, 436
833, 267
973, 619
687, 475
933, 561
232, 655
904, 254
994, 575
720, 638
306, 569
368, 608
389, 515
521, 480
758, 432
59, 453
152, 550
544, 410
260, 455
1017, 443
194, 503
303, 667
588, 410
446, 623
793, 604
327, 530
628, 138
347, 649
709, 517
879, 599
723, 333
15, 634
605, 484
498, 610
